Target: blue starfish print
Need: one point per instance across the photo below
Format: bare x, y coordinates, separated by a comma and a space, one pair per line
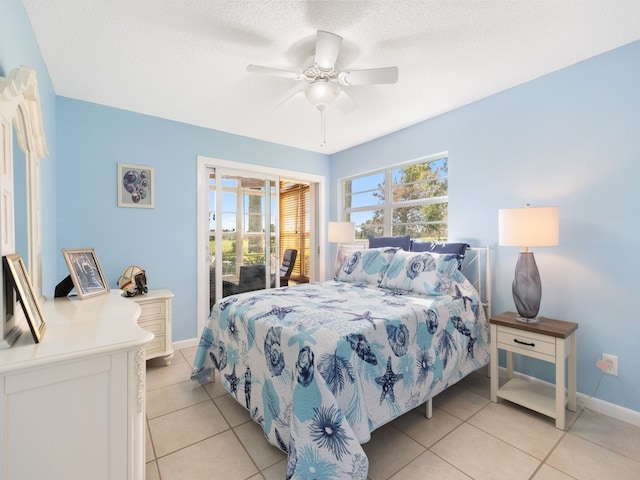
387, 381
279, 312
365, 316
303, 336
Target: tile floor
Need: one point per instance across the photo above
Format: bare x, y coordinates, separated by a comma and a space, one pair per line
197, 432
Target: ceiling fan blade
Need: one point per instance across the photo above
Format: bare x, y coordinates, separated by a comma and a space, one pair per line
289, 94
345, 102
327, 49
274, 72
369, 76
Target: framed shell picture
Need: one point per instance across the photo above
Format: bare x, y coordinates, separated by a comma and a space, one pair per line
136, 186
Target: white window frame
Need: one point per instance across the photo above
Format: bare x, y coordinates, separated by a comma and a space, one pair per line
388, 205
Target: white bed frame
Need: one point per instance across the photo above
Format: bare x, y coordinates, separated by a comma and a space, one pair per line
477, 268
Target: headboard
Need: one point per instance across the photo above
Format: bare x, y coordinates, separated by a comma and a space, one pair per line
477, 268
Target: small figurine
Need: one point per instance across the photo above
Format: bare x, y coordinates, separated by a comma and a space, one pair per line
133, 281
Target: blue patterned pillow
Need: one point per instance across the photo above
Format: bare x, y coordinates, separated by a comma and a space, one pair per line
403, 241
420, 272
458, 249
367, 266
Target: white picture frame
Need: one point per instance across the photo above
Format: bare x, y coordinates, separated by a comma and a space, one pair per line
85, 271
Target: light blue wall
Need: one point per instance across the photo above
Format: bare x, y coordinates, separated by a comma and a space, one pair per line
93, 139
19, 47
569, 139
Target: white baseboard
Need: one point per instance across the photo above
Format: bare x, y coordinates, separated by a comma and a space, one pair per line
192, 342
594, 404
610, 409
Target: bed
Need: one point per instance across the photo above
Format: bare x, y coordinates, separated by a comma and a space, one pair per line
322, 365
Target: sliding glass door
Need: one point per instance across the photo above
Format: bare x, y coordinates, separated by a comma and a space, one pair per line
253, 216
243, 244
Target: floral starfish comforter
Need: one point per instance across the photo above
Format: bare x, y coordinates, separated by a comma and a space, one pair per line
320, 366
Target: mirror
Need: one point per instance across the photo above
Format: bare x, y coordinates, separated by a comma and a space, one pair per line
20, 201
22, 146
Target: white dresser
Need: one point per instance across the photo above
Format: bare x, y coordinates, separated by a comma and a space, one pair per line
156, 318
73, 406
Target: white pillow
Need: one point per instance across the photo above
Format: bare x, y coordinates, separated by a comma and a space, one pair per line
420, 272
367, 266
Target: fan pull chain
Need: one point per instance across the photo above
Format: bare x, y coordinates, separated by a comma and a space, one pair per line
323, 130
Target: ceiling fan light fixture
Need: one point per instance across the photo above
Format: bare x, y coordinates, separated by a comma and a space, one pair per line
321, 93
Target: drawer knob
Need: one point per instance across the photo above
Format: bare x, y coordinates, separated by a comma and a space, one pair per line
524, 343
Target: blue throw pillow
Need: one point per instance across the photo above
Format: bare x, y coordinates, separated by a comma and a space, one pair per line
403, 242
366, 266
449, 248
420, 272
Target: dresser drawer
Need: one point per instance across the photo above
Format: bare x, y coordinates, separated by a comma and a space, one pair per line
155, 347
519, 340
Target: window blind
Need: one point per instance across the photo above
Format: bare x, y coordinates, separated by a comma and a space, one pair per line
295, 225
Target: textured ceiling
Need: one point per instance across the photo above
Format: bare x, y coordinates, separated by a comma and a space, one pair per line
185, 60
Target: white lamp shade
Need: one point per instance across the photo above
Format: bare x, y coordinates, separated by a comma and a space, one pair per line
342, 232
529, 227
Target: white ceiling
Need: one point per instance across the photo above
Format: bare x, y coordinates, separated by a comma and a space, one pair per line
185, 60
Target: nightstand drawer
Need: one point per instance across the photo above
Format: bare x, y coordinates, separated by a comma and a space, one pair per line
155, 326
155, 317
152, 310
512, 339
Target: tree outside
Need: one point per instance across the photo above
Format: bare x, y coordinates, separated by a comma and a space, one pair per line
419, 206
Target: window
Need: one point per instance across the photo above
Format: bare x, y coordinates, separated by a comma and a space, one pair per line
410, 199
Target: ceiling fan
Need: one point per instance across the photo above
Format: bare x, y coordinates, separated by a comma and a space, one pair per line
323, 79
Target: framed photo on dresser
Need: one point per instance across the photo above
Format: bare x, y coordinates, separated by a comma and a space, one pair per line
19, 277
85, 271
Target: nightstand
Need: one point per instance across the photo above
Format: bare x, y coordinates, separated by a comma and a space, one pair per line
550, 340
155, 317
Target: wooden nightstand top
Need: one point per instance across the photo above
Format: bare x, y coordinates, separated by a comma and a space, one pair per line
546, 326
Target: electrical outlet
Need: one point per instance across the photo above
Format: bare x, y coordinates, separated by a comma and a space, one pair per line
612, 360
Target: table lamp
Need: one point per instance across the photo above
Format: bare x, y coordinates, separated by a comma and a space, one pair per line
341, 233
528, 227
